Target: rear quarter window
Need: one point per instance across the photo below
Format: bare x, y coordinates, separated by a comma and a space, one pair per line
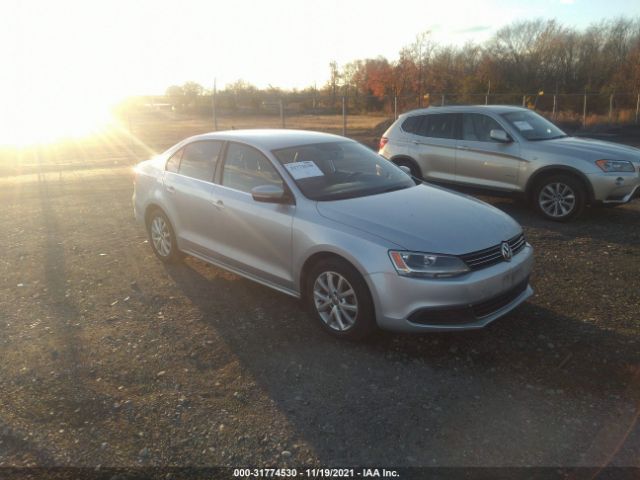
412, 124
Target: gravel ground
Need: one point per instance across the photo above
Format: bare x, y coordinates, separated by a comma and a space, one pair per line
110, 358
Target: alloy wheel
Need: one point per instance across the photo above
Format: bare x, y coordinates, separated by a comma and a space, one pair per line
161, 236
335, 301
557, 200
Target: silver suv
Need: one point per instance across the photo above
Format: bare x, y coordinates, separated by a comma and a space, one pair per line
513, 149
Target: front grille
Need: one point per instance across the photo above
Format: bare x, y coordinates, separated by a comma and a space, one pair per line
461, 315
492, 255
494, 304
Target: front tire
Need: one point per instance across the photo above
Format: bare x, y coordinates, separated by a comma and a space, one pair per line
339, 299
560, 198
162, 237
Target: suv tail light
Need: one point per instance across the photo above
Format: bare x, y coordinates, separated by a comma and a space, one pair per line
383, 142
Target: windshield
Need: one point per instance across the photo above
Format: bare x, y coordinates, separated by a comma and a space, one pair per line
338, 170
533, 126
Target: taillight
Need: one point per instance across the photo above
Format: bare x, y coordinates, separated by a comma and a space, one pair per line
383, 142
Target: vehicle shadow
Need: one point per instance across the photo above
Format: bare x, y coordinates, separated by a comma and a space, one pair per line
457, 398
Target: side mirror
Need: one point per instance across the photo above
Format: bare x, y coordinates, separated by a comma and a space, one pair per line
405, 169
500, 136
269, 194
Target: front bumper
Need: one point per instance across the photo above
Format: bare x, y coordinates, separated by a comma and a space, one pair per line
468, 302
615, 187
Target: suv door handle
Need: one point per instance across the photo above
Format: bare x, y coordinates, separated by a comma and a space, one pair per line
219, 204
170, 189
462, 147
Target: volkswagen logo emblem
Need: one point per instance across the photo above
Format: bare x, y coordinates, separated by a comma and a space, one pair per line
506, 251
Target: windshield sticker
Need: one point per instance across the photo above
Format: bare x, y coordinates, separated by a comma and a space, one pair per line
522, 126
306, 169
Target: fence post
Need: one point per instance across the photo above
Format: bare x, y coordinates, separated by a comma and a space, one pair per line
524, 100
344, 116
486, 99
442, 100
637, 107
395, 108
213, 106
584, 111
130, 127
553, 115
282, 113
610, 108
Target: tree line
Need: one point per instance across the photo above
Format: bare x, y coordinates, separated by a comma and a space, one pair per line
523, 57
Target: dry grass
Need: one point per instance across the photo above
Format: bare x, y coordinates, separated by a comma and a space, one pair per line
141, 136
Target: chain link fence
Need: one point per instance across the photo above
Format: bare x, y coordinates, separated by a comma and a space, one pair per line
572, 111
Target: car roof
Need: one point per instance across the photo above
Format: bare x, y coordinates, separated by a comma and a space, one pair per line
466, 109
271, 139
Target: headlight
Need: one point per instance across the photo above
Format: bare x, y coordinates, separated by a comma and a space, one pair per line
615, 166
415, 264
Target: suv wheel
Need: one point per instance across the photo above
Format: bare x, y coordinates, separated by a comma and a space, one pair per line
339, 299
560, 197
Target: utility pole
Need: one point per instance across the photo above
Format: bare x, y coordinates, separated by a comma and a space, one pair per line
610, 108
420, 75
282, 112
344, 116
395, 108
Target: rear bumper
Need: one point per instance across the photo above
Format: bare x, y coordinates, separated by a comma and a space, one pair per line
468, 302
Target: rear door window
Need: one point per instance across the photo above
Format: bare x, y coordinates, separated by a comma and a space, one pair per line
173, 164
441, 125
199, 159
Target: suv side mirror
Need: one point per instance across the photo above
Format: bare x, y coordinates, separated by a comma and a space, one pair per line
269, 194
500, 136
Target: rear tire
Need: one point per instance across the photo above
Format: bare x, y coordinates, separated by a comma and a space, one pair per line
559, 197
411, 165
162, 237
339, 299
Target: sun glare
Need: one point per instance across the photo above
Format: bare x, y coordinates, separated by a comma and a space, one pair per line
32, 122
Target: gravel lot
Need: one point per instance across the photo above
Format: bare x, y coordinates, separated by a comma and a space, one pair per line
109, 358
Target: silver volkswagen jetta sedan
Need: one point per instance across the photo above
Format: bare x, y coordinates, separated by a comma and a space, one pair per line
323, 218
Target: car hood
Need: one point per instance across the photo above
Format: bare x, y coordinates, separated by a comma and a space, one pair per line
425, 218
590, 148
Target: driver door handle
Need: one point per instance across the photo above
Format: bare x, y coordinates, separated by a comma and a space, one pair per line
170, 189
219, 204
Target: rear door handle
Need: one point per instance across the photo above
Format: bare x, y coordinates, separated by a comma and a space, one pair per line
462, 147
219, 204
170, 189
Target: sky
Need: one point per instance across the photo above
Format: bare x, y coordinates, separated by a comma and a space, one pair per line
110, 49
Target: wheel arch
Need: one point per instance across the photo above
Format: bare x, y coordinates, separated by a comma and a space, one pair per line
320, 256
409, 159
150, 209
559, 169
